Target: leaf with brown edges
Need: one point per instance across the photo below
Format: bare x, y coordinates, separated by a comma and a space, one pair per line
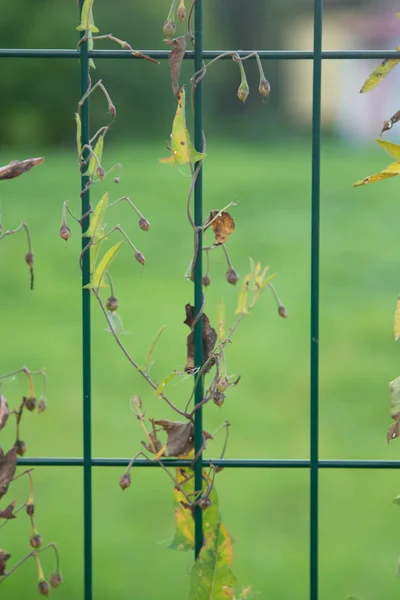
17, 167
222, 225
209, 339
175, 59
8, 465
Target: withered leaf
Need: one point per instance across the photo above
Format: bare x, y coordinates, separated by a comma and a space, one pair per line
18, 167
4, 412
8, 513
222, 225
392, 121
394, 430
8, 464
156, 444
180, 436
209, 339
3, 559
175, 60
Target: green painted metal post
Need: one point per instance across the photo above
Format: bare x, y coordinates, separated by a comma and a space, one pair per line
314, 333
86, 341
198, 271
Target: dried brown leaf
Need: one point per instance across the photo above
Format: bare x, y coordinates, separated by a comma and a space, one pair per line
222, 225
394, 430
8, 513
209, 339
18, 167
8, 464
4, 412
156, 445
175, 60
3, 559
180, 436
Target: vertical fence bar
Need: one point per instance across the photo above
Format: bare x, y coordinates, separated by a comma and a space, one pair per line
314, 332
198, 271
86, 349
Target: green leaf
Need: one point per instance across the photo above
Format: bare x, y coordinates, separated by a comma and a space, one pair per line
380, 73
104, 264
78, 135
211, 577
117, 324
182, 149
97, 219
150, 353
243, 296
98, 151
396, 500
161, 386
87, 21
184, 534
392, 149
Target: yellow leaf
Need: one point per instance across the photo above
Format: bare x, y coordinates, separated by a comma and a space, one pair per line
98, 151
392, 149
243, 295
397, 321
98, 216
161, 386
87, 22
98, 275
390, 171
182, 149
380, 73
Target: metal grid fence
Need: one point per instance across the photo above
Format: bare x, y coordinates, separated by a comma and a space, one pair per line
87, 461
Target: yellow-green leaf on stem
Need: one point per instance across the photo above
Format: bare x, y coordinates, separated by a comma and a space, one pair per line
78, 135
161, 386
380, 73
243, 297
87, 21
97, 219
182, 149
97, 152
104, 264
150, 353
392, 149
390, 171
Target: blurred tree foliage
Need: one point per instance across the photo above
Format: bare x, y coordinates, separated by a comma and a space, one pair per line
38, 96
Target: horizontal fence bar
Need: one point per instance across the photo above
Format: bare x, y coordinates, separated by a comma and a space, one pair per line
236, 463
207, 54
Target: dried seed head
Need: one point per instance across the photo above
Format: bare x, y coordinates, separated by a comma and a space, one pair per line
206, 280
35, 541
182, 11
55, 580
232, 276
222, 384
125, 481
243, 92
65, 232
282, 311
100, 172
20, 447
219, 398
30, 403
169, 28
139, 257
205, 503
112, 303
144, 224
44, 587
116, 180
264, 88
42, 405
29, 259
30, 509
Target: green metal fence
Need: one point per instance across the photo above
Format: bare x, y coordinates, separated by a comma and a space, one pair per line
87, 462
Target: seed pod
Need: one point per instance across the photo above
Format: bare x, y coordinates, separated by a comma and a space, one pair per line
125, 481
169, 28
42, 405
20, 447
205, 503
140, 257
55, 580
144, 224
222, 384
264, 88
219, 398
206, 280
282, 311
100, 172
44, 587
232, 276
35, 541
30, 509
116, 180
65, 232
30, 403
112, 303
182, 11
243, 92
29, 259
112, 110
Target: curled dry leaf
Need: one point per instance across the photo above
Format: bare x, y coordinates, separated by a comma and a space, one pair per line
222, 225
8, 464
8, 513
394, 430
17, 167
180, 436
4, 412
209, 339
175, 60
4, 556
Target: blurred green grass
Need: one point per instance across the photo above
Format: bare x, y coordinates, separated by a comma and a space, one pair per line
266, 511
